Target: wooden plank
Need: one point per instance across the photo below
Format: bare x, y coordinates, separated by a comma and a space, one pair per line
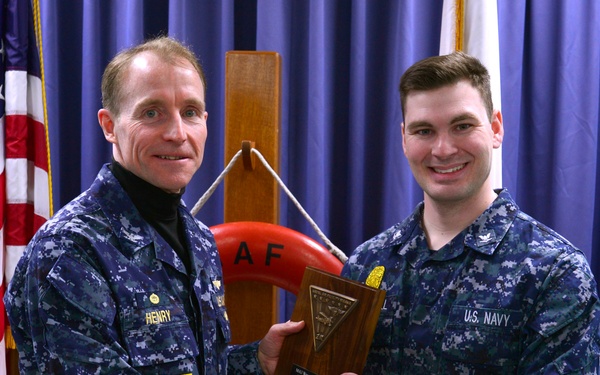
252, 113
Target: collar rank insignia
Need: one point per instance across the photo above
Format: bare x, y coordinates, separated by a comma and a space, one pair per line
485, 238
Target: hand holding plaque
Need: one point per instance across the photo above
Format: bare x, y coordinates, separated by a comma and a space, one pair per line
340, 316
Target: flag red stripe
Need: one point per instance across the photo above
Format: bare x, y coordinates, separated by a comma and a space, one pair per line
2, 199
26, 138
21, 224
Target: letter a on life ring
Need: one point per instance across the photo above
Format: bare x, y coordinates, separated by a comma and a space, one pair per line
270, 253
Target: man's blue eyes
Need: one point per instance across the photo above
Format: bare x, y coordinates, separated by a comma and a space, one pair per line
188, 113
458, 127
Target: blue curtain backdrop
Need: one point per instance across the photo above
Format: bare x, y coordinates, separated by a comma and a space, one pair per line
341, 151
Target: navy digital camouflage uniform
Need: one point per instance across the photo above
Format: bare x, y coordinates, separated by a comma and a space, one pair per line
99, 291
508, 295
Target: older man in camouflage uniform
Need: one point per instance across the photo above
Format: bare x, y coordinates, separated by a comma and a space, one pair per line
123, 280
474, 285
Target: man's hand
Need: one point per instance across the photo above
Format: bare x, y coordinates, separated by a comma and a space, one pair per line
270, 345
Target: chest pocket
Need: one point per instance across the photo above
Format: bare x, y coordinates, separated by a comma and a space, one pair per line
483, 338
216, 324
81, 285
385, 333
220, 316
382, 357
223, 324
157, 331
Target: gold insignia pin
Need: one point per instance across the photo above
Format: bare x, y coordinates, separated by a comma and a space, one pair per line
154, 298
375, 277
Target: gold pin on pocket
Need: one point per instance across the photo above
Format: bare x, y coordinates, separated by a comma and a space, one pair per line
375, 277
154, 298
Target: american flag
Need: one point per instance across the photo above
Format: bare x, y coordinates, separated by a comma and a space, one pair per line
25, 189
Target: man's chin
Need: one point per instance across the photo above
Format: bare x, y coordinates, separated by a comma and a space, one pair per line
173, 189
172, 183
446, 194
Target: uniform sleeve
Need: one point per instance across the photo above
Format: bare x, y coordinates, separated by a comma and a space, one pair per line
243, 359
566, 322
70, 319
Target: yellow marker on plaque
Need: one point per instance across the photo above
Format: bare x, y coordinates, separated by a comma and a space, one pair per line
375, 277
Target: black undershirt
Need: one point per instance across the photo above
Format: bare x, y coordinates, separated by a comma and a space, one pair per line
157, 207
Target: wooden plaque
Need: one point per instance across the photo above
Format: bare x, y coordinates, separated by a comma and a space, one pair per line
340, 317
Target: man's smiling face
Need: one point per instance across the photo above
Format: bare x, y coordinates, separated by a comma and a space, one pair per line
448, 140
160, 132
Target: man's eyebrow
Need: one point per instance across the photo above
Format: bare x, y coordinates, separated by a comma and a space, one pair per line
158, 102
418, 124
463, 117
147, 103
196, 103
425, 124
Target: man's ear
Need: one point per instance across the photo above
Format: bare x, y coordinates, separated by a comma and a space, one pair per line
106, 121
403, 137
497, 128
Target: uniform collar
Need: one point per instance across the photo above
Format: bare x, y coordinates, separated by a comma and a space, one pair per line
153, 203
128, 225
484, 235
134, 233
488, 230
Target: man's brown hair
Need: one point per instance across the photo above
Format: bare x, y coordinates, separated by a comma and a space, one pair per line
166, 48
438, 71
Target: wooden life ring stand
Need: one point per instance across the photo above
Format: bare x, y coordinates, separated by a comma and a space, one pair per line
270, 253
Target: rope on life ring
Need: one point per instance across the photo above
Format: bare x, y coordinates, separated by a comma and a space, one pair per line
248, 151
270, 253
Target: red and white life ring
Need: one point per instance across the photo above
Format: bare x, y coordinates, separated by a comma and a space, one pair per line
255, 251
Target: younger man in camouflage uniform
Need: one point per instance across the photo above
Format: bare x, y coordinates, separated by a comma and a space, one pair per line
123, 280
474, 285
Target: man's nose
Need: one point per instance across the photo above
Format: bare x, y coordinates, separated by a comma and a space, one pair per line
443, 145
176, 129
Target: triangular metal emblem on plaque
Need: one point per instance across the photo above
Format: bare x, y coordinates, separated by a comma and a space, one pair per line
328, 310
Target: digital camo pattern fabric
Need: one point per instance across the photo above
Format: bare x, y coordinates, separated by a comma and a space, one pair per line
506, 296
98, 291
